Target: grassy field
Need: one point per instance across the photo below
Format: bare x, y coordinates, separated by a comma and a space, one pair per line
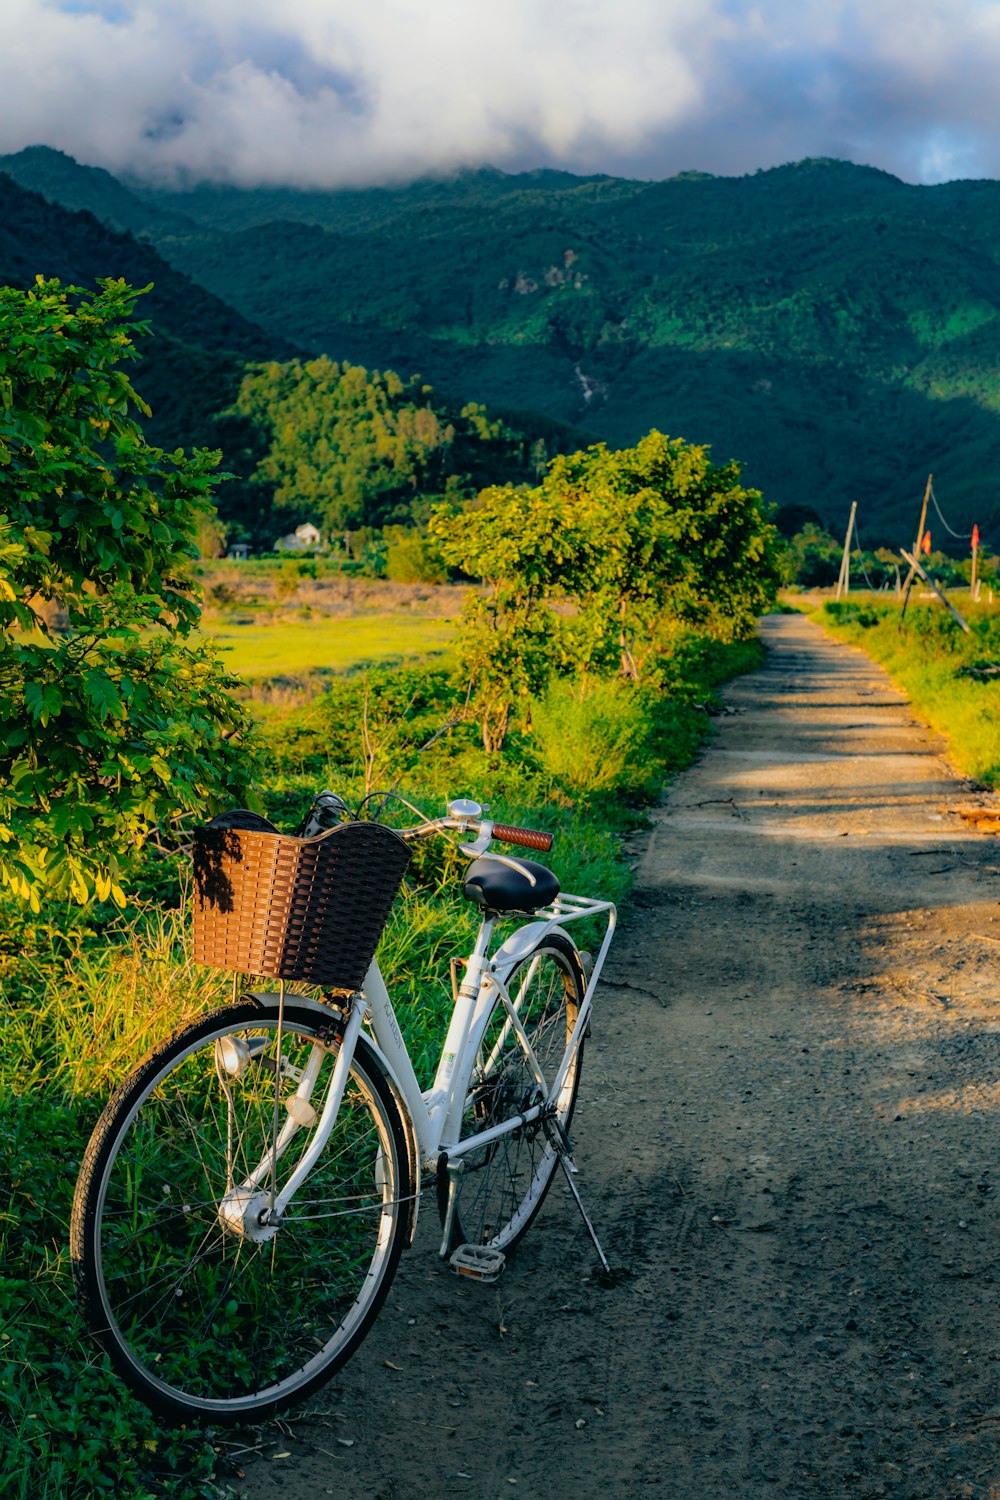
285, 648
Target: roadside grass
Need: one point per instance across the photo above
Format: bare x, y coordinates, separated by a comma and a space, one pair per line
88, 992
936, 664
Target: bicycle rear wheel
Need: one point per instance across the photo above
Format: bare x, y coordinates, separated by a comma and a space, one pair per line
210, 1321
505, 1181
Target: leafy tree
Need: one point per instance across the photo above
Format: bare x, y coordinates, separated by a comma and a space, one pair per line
632, 538
659, 530
361, 448
412, 558
812, 557
115, 719
508, 631
211, 534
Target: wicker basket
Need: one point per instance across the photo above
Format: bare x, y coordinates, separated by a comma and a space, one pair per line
290, 908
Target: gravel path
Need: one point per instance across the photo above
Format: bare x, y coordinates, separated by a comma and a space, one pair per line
788, 1138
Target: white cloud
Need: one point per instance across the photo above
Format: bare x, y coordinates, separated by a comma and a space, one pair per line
321, 93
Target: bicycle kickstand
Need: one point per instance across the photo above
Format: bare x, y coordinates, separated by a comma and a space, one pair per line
564, 1151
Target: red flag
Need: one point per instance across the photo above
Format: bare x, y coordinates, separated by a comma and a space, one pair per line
975, 538
925, 545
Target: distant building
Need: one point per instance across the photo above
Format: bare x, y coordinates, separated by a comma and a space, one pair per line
240, 551
302, 539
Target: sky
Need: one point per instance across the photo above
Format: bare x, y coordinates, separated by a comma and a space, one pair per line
325, 93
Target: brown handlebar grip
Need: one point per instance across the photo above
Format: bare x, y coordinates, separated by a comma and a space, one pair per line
531, 838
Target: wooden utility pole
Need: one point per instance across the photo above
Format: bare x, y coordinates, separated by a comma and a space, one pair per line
844, 581
914, 564
975, 557
908, 583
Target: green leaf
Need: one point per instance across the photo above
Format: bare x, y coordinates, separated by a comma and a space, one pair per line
43, 701
102, 692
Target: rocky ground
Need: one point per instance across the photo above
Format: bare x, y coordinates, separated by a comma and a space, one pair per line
788, 1132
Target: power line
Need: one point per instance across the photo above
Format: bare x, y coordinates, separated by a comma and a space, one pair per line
957, 535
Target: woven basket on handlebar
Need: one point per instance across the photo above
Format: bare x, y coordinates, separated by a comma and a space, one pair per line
290, 908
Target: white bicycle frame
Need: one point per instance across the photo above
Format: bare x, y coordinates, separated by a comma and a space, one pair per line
434, 1116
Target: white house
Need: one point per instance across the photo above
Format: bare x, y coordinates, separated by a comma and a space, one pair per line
302, 539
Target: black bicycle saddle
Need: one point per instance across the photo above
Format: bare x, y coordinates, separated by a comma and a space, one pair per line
496, 886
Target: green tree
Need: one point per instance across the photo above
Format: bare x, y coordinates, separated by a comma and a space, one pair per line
115, 720
412, 557
658, 531
632, 539
508, 633
211, 534
812, 557
360, 448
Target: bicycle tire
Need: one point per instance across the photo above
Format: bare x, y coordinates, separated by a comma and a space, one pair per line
203, 1322
504, 1183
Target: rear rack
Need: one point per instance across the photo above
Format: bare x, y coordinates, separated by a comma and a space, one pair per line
569, 908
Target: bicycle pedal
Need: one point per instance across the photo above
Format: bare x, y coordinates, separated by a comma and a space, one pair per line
481, 1262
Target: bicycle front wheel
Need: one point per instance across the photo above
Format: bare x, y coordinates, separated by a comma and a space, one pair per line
506, 1180
205, 1310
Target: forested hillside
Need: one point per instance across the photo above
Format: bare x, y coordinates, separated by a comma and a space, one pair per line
335, 443
193, 366
832, 328
350, 448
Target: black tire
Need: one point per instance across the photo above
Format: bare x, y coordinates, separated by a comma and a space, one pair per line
200, 1320
505, 1182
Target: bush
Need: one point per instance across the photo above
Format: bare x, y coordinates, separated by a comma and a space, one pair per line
412, 559
598, 737
122, 721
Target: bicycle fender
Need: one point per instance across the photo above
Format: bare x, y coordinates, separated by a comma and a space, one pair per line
270, 999
521, 943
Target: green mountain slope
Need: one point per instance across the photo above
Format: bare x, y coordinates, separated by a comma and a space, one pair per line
62, 180
833, 328
386, 443
193, 366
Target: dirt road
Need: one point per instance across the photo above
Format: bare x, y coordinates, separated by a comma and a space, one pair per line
790, 1141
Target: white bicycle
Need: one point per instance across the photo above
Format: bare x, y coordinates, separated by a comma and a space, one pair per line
246, 1195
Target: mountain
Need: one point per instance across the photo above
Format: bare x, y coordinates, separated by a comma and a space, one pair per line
833, 328
398, 440
60, 179
192, 368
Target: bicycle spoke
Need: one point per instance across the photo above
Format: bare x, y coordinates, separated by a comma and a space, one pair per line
201, 1303
506, 1179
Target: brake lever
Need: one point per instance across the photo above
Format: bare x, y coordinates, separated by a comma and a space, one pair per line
482, 842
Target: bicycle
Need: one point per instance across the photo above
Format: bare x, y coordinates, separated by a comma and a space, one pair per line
247, 1192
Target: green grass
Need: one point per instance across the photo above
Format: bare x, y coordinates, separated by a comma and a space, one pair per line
293, 648
929, 656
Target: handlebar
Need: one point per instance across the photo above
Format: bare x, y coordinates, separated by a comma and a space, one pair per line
482, 831
463, 816
530, 838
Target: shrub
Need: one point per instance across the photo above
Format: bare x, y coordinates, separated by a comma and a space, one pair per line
412, 559
597, 737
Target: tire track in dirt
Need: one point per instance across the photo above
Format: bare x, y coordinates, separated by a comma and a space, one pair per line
787, 1130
